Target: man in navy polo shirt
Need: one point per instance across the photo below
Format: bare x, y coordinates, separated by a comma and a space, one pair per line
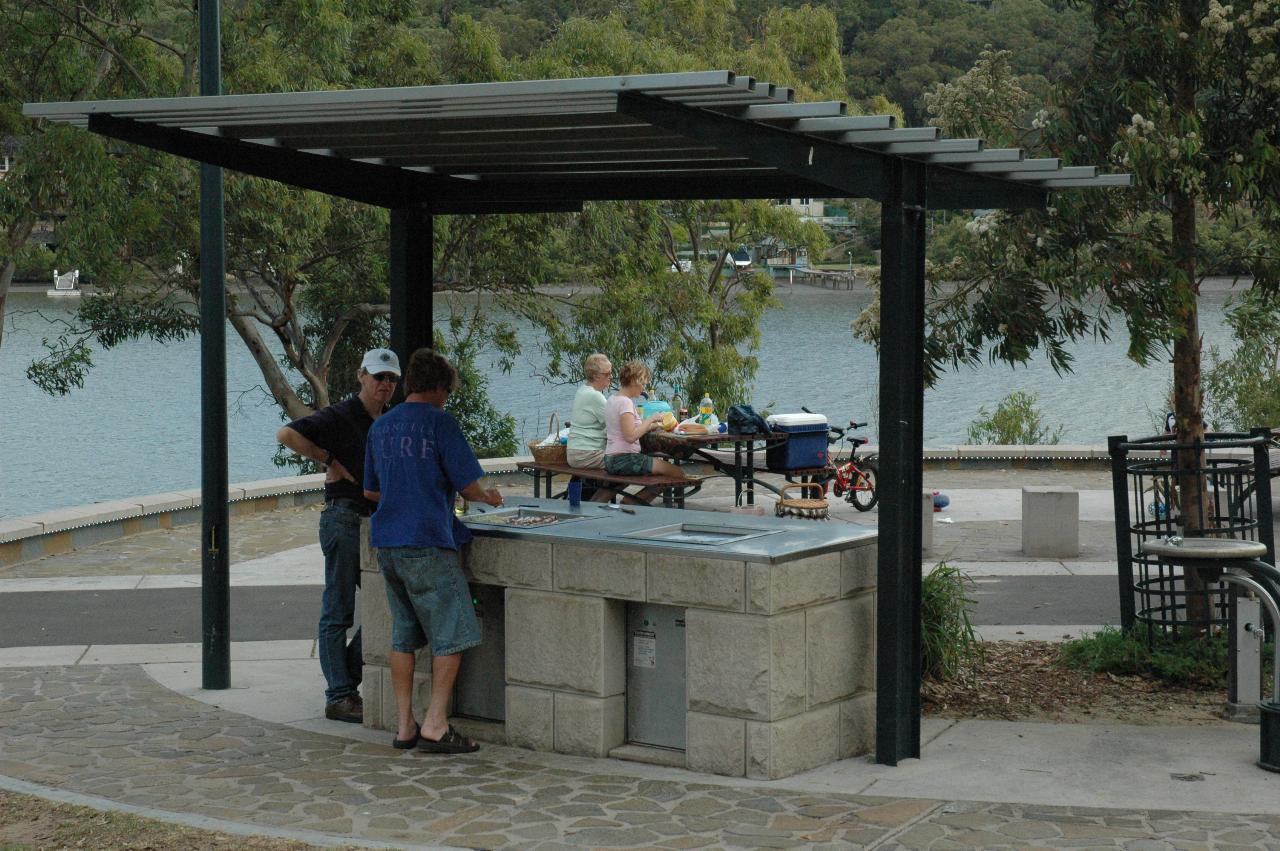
335, 437
416, 460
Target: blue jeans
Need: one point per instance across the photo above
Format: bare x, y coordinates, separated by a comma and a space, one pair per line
341, 663
429, 600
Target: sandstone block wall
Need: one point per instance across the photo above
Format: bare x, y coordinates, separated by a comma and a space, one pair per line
779, 659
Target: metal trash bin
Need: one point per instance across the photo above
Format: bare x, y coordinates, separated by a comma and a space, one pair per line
1269, 752
656, 704
1144, 474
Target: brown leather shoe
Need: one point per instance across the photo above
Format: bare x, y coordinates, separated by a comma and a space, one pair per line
349, 709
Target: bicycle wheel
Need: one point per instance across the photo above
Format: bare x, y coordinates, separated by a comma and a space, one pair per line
862, 491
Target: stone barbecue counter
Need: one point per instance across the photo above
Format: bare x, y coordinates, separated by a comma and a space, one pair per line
731, 644
708, 534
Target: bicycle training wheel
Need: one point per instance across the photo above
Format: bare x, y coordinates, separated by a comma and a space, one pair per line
862, 492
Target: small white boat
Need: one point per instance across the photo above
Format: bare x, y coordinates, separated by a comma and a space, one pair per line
66, 285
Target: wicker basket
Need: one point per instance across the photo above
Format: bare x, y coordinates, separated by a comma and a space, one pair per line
556, 453
814, 507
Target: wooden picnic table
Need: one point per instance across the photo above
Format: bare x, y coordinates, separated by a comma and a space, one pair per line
741, 466
674, 488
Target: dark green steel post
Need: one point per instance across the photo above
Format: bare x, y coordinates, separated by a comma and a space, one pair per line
215, 575
1262, 491
902, 240
1124, 542
411, 282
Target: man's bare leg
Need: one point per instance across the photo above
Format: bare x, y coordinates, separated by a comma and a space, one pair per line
444, 670
402, 684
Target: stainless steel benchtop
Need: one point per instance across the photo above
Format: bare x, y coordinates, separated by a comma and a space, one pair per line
767, 540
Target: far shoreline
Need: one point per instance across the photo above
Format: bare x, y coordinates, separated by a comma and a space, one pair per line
782, 289
1214, 284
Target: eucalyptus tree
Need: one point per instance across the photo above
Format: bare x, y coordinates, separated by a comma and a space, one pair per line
65, 51
306, 272
684, 305
665, 287
1182, 94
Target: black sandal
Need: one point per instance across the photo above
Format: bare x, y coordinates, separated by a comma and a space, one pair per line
407, 744
451, 742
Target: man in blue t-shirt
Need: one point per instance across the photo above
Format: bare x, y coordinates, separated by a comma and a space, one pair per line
415, 460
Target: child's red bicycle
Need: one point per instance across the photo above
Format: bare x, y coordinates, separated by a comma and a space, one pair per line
855, 479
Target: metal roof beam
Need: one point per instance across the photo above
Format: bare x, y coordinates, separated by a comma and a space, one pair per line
942, 146
1102, 180
323, 135
986, 155
846, 171
891, 136
369, 184
1018, 166
465, 206
951, 189
790, 111
675, 83
622, 148
651, 187
844, 124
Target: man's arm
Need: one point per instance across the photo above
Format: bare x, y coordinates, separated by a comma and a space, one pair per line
475, 492
373, 496
307, 448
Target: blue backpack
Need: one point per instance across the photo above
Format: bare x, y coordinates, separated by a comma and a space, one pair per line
743, 419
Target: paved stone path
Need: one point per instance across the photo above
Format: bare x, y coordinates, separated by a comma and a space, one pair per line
113, 732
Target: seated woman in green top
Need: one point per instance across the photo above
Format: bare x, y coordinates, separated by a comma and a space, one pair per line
586, 420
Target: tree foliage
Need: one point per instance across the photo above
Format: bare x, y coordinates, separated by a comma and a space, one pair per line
1016, 421
697, 328
307, 273
1242, 389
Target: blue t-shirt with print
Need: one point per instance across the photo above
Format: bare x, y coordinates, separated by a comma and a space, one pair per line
417, 459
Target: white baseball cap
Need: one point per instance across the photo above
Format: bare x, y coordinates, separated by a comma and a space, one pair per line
380, 360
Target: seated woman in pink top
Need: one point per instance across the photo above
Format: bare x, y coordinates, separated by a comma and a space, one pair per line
623, 429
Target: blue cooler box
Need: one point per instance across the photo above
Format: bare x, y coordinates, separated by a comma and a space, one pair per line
806, 446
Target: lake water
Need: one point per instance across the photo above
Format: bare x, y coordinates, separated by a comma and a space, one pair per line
134, 428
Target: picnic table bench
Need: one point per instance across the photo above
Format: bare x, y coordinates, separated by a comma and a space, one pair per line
674, 488
743, 462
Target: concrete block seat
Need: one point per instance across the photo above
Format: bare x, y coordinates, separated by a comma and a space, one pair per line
674, 489
1050, 521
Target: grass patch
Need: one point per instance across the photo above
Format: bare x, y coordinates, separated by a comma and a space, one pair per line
948, 644
1177, 660
28, 823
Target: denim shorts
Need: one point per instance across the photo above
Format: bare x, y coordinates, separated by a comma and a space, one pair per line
629, 464
429, 600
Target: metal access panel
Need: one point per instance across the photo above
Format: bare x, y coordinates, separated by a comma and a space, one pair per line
656, 705
481, 687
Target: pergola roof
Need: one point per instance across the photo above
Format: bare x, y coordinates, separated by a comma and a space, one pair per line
552, 144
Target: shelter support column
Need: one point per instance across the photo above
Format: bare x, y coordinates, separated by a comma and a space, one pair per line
215, 558
902, 242
411, 280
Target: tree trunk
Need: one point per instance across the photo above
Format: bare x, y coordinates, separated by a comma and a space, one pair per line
277, 383
7, 271
1188, 401
1188, 397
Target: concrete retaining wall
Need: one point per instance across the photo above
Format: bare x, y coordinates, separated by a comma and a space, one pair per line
65, 529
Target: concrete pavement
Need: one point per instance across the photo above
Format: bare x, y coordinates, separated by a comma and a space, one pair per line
129, 726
